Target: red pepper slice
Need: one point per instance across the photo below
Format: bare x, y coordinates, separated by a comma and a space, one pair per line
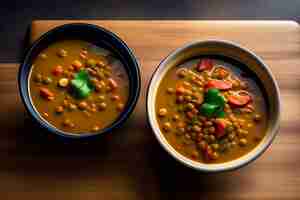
58, 70
239, 100
204, 64
220, 128
218, 84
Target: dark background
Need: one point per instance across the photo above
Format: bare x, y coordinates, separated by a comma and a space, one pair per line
16, 16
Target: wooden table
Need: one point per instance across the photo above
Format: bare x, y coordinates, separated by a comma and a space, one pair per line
130, 164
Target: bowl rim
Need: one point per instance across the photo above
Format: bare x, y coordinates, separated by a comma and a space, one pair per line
43, 123
220, 167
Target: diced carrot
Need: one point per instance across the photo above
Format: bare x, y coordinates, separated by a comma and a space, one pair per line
218, 84
180, 90
46, 93
58, 70
204, 64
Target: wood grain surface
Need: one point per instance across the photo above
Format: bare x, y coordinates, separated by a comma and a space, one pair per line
130, 164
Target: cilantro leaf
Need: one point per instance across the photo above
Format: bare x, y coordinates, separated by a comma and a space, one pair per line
81, 84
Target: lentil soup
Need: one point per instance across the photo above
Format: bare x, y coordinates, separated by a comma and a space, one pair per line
78, 87
211, 110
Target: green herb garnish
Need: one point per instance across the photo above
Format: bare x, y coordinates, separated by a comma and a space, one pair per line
81, 84
213, 105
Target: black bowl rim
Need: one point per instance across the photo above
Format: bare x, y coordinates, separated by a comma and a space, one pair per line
52, 129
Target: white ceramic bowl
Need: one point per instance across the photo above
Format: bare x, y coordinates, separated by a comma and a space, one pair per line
234, 51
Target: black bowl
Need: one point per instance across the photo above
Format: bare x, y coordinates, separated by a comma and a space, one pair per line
98, 36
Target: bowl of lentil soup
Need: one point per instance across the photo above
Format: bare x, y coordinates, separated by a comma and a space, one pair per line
213, 105
79, 81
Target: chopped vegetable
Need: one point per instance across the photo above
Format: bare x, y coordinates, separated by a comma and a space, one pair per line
46, 93
214, 104
58, 70
239, 100
218, 84
81, 84
208, 109
214, 96
204, 64
221, 125
180, 90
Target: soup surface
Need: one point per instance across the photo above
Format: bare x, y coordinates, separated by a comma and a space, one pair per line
210, 110
78, 87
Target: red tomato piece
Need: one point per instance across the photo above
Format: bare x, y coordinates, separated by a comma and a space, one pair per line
218, 84
204, 64
239, 100
58, 70
220, 125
